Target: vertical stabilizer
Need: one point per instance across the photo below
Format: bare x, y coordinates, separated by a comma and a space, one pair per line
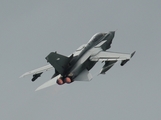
59, 62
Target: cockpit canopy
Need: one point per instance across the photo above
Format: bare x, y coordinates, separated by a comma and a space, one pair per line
96, 37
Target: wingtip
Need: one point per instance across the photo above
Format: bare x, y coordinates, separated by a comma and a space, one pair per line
133, 54
25, 74
40, 88
37, 89
22, 76
48, 83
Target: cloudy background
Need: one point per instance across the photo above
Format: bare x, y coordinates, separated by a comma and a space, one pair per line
30, 30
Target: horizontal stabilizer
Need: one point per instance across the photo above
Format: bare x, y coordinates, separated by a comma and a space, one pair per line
48, 83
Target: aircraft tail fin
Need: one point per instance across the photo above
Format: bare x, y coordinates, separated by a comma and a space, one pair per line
59, 62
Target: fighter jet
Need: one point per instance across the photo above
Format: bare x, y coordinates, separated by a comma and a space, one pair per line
76, 66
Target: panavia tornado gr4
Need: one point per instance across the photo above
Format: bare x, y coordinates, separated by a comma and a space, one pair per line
76, 66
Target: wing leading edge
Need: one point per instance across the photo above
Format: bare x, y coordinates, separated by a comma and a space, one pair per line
111, 56
38, 71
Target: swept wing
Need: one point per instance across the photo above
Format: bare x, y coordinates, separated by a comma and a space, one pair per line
38, 70
110, 56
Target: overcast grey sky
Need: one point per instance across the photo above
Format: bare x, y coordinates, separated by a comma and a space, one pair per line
31, 29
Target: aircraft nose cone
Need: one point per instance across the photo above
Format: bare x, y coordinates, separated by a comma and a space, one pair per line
113, 33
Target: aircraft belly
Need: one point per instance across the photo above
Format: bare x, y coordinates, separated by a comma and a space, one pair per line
77, 68
80, 66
